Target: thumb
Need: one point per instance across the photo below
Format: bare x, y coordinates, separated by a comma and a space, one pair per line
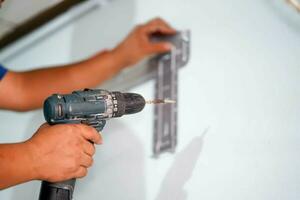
161, 47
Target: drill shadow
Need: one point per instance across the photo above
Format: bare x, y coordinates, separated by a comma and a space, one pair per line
181, 170
119, 168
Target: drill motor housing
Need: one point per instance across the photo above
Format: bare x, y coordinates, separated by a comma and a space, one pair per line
91, 107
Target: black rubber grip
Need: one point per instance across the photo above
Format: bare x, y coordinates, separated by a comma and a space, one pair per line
57, 191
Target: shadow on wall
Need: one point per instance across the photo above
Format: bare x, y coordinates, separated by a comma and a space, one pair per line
181, 171
119, 169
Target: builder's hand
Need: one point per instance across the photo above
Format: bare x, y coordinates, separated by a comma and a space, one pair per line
62, 152
137, 45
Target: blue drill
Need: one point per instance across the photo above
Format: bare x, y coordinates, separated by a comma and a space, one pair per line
90, 107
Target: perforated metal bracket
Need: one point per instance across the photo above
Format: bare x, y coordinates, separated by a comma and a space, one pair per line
165, 121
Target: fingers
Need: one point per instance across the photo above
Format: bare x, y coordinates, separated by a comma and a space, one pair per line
139, 44
88, 148
91, 134
81, 172
158, 25
86, 160
160, 47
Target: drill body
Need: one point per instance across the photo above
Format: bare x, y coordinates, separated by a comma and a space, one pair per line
90, 107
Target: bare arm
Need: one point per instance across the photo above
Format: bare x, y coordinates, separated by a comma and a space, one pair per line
23, 91
26, 90
54, 153
14, 164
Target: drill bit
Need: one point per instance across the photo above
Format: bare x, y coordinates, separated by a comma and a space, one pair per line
160, 101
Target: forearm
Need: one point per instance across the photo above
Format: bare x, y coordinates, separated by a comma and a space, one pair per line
32, 87
15, 165
24, 91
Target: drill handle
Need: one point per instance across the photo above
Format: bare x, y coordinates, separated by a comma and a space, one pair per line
57, 191
97, 124
64, 190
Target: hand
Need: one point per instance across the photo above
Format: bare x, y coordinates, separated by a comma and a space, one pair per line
137, 45
62, 152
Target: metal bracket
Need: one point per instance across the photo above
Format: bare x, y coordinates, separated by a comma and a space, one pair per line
163, 68
165, 123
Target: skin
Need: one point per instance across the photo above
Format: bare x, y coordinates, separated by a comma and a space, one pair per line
49, 155
60, 152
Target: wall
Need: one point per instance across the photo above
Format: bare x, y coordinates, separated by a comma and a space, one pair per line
9, 19
238, 105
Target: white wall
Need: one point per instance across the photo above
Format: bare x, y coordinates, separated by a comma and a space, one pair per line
9, 19
238, 105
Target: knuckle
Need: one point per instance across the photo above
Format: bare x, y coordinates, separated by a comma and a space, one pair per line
91, 161
82, 173
149, 50
98, 136
76, 128
93, 150
88, 129
158, 19
138, 27
92, 129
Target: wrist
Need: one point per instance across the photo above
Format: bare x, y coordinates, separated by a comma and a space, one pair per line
111, 59
30, 159
120, 58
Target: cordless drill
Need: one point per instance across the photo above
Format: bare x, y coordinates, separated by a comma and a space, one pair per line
90, 107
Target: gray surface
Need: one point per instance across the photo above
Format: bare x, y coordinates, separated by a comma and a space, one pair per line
165, 123
166, 86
